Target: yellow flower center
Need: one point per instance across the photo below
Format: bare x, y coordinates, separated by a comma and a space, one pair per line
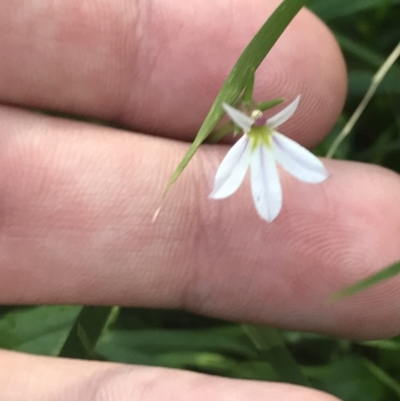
260, 135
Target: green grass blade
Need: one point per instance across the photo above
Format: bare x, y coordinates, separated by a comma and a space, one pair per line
86, 331
387, 345
272, 348
241, 73
263, 106
383, 377
382, 275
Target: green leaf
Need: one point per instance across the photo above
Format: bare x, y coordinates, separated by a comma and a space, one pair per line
382, 275
347, 378
218, 364
388, 345
126, 345
223, 350
263, 106
272, 348
86, 331
241, 73
383, 377
330, 9
38, 330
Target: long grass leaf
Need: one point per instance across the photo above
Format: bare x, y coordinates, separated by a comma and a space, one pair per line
272, 349
383, 377
86, 331
382, 275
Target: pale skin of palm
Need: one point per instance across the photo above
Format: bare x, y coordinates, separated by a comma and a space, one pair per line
78, 198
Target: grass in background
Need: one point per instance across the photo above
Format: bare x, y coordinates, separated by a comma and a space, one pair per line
367, 31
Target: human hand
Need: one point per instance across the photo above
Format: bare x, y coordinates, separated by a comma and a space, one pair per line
77, 199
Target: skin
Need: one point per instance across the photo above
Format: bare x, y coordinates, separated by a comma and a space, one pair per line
77, 199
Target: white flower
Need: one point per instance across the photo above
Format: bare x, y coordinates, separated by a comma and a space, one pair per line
260, 148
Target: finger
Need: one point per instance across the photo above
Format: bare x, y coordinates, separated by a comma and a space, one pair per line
77, 203
25, 377
157, 65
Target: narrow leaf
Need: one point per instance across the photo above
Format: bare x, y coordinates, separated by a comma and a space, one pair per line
382, 275
272, 349
263, 106
86, 331
388, 345
383, 377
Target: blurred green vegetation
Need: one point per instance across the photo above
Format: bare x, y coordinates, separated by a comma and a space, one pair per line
367, 30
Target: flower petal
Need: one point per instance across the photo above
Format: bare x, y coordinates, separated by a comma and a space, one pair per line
232, 170
242, 120
265, 185
297, 160
283, 115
